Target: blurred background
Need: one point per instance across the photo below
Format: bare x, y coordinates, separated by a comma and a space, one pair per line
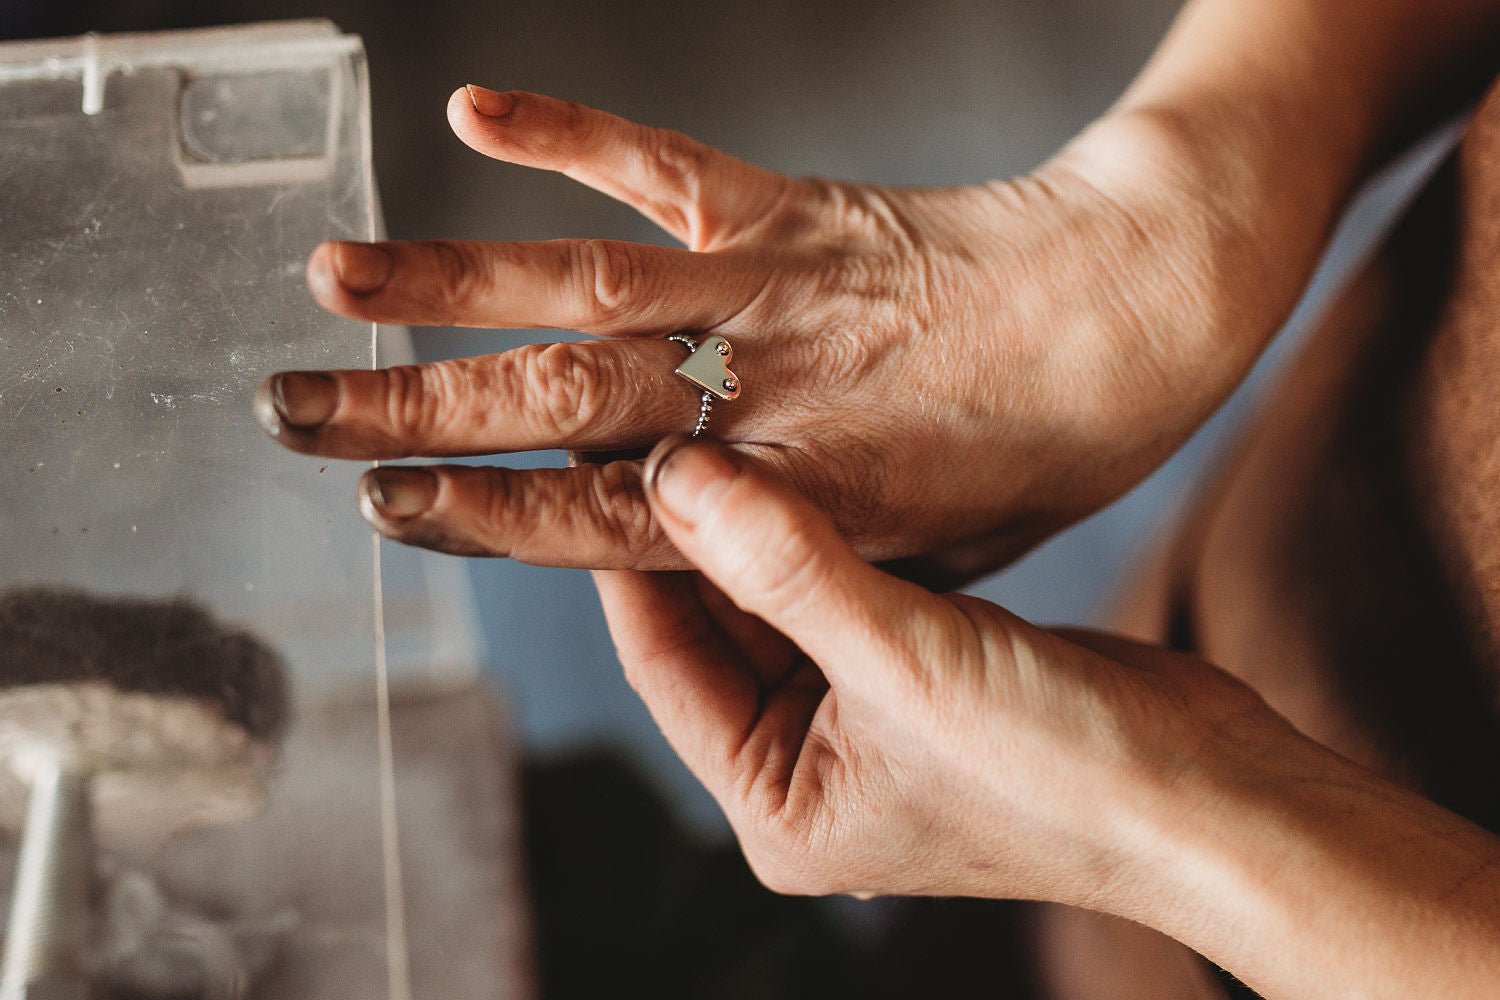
893, 91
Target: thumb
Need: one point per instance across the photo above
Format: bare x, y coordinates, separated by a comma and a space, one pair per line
776, 556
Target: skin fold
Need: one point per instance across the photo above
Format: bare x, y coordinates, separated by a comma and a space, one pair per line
944, 377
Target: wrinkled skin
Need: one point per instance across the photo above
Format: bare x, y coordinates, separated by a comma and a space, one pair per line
972, 367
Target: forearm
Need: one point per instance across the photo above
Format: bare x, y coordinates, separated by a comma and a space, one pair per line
1304, 96
1308, 876
1272, 112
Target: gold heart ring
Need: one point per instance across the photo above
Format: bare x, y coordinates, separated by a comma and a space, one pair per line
707, 367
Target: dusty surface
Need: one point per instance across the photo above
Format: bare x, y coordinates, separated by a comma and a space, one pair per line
299, 886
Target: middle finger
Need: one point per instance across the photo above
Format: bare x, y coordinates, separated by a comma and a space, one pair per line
597, 286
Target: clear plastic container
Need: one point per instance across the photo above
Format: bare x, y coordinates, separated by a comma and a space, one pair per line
187, 611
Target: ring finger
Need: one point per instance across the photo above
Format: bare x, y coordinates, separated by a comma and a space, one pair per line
583, 395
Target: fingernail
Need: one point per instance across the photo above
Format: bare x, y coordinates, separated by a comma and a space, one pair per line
688, 477
490, 103
303, 400
399, 492
362, 268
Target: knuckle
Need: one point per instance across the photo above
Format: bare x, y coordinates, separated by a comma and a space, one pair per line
611, 280
793, 572
442, 398
460, 272
679, 165
800, 212
844, 354
683, 170
888, 289
564, 385
679, 160
576, 121
618, 502
498, 497
562, 130
412, 404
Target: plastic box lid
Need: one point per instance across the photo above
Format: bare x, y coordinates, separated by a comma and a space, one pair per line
159, 194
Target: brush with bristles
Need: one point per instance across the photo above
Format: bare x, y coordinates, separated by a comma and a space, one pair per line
123, 722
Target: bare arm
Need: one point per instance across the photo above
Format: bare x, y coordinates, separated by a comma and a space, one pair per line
1308, 876
1280, 108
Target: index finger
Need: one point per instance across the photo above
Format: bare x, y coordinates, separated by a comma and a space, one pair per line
697, 193
683, 667
597, 286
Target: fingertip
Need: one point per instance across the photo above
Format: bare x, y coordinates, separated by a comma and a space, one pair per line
263, 404
322, 280
342, 274
460, 107
686, 477
490, 103
769, 550
658, 456
402, 504
293, 407
371, 501
396, 493
471, 108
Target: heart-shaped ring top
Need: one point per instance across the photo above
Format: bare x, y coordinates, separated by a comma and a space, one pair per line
708, 368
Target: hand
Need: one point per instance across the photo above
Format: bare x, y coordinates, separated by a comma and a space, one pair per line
930, 366
866, 736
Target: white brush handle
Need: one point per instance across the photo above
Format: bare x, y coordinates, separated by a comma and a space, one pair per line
49, 912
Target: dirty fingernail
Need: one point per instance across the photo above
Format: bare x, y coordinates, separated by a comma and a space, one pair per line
303, 400
490, 103
400, 492
362, 268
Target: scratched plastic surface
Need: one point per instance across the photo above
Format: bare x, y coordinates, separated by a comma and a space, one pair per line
158, 197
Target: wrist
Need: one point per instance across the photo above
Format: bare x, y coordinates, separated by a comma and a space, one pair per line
1307, 875
1205, 817
1185, 283
1240, 233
